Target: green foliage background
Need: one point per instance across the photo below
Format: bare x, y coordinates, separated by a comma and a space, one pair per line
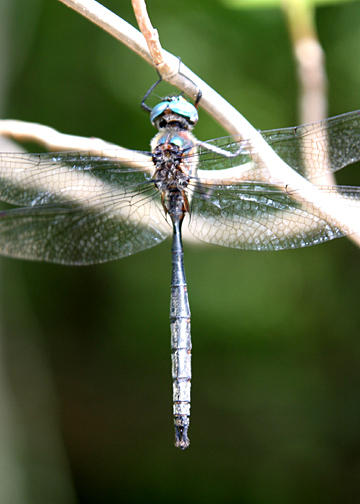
276, 347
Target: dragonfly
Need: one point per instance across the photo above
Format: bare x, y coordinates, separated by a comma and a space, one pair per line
79, 209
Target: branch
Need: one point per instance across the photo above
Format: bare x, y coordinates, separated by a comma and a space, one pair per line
279, 173
310, 62
55, 141
150, 34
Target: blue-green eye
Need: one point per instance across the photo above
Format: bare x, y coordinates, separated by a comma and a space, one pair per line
184, 108
178, 105
158, 110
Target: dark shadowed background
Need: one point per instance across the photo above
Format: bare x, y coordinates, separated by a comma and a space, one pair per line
86, 387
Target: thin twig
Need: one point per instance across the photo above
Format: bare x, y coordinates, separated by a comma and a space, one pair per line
310, 62
150, 34
310, 59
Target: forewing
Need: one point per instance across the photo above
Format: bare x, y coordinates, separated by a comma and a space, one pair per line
33, 179
330, 145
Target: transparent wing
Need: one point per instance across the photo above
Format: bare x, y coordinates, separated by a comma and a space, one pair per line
33, 179
82, 209
257, 216
78, 209
325, 145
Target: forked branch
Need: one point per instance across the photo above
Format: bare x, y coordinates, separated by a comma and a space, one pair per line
277, 171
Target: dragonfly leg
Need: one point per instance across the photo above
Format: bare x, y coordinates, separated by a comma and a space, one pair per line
160, 79
198, 90
223, 152
148, 93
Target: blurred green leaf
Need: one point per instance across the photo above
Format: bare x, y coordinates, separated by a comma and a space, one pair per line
248, 4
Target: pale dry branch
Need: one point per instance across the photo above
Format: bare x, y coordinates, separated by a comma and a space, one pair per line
278, 172
310, 63
151, 35
55, 141
309, 58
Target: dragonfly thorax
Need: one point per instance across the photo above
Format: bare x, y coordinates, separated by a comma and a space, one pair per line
168, 158
174, 155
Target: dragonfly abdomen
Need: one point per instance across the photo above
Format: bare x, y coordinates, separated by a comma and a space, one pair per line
180, 339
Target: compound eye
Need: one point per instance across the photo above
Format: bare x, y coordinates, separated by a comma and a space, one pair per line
185, 109
158, 110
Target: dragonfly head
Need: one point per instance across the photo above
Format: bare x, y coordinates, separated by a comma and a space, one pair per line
174, 112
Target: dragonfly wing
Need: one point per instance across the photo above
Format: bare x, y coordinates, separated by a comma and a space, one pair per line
257, 216
80, 236
310, 149
33, 179
78, 209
